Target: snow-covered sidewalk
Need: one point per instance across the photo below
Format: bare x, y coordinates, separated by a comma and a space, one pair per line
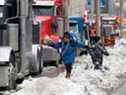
83, 81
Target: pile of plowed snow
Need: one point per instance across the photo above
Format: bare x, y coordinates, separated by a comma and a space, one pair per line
84, 80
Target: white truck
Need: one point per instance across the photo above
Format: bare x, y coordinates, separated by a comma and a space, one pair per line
18, 57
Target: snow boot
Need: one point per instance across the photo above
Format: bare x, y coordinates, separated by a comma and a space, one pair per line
68, 76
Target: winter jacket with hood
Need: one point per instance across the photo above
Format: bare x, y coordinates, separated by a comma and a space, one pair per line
68, 50
96, 52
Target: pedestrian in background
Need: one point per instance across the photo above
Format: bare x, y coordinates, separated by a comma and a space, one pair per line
68, 47
92, 35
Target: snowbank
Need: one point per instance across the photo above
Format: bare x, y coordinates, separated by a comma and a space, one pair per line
84, 80
50, 86
108, 81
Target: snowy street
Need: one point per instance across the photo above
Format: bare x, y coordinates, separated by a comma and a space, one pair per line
62, 47
84, 80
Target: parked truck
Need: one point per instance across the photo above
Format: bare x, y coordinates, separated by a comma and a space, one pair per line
18, 58
49, 18
78, 29
76, 24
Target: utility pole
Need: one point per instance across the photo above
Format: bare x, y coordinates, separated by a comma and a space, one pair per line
67, 10
97, 10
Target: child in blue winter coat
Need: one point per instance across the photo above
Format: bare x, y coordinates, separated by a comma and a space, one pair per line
68, 48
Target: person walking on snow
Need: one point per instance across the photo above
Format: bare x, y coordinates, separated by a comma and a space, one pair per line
68, 51
96, 52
